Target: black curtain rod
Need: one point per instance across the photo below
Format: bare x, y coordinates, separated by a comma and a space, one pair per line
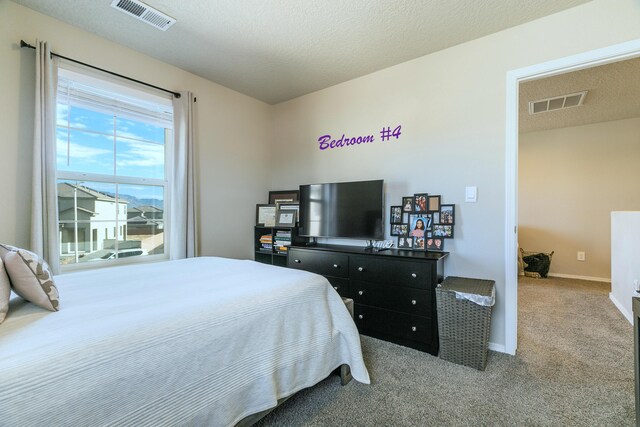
176, 94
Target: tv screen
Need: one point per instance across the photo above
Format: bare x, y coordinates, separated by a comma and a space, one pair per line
346, 209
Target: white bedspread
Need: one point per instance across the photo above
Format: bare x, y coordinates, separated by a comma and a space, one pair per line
198, 342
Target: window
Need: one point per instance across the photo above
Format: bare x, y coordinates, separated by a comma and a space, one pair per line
112, 145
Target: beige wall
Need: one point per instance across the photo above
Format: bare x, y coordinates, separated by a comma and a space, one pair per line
451, 105
570, 180
232, 130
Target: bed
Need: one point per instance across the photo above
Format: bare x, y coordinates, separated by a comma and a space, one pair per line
201, 341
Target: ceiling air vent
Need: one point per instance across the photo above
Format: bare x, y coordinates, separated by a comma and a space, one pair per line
557, 103
144, 13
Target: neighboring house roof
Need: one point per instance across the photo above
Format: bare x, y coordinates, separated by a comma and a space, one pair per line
140, 220
80, 209
67, 190
147, 209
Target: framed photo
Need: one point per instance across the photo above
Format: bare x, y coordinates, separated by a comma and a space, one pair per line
405, 242
419, 225
447, 214
396, 215
399, 229
433, 203
286, 215
407, 204
418, 243
420, 202
266, 215
284, 196
436, 217
443, 230
434, 243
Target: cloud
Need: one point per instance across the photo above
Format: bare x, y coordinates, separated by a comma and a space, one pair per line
79, 152
140, 154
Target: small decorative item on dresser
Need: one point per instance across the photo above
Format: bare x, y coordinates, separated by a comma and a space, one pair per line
286, 214
396, 215
266, 215
447, 214
405, 242
284, 196
407, 204
433, 203
435, 243
442, 230
420, 202
399, 229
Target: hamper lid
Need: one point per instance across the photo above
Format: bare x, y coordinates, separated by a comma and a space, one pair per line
479, 291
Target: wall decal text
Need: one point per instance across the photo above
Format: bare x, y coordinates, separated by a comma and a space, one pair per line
386, 134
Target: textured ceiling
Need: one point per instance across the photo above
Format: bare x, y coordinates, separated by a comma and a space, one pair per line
614, 94
280, 49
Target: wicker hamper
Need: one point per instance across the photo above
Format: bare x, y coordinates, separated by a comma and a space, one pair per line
464, 319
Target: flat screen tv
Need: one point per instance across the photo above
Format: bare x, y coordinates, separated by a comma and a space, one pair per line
352, 210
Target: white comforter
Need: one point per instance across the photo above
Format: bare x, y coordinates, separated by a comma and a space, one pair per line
199, 342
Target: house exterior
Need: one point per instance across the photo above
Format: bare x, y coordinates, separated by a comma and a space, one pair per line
145, 220
97, 216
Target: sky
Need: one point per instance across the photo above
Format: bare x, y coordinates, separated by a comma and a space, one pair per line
86, 143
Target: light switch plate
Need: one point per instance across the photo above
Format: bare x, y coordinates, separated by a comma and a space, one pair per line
471, 194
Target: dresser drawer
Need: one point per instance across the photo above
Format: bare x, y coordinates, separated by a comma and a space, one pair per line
326, 264
392, 272
341, 286
406, 300
392, 323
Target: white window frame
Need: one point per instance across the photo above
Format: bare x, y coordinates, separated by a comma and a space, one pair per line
120, 85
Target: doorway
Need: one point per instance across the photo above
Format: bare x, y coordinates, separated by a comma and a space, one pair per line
590, 59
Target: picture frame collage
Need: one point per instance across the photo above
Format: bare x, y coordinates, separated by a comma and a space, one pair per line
282, 209
422, 222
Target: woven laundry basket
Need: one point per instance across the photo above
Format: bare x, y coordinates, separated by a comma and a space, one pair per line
464, 320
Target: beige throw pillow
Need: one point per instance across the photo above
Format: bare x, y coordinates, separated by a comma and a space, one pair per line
5, 249
5, 292
31, 278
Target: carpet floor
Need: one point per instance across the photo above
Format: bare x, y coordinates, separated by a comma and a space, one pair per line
574, 367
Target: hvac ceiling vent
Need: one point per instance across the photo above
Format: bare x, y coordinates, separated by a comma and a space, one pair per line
557, 103
144, 13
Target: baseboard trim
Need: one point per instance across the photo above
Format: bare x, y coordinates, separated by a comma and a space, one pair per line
573, 276
619, 306
500, 348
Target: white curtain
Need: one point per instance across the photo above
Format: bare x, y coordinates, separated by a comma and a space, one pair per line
183, 238
44, 226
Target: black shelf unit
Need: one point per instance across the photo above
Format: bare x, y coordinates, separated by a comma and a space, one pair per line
273, 256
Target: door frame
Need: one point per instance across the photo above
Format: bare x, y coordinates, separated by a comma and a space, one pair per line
606, 55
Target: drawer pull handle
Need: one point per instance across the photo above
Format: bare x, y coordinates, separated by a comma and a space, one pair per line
413, 328
413, 302
335, 266
296, 260
414, 275
360, 316
360, 268
360, 292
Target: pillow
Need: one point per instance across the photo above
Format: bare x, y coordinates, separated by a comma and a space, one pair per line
5, 292
31, 278
5, 249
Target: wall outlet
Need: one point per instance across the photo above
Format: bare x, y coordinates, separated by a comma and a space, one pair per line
581, 256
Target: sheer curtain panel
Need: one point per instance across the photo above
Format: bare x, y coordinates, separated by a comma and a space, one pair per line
183, 241
44, 227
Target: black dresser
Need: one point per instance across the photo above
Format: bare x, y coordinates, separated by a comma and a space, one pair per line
393, 291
